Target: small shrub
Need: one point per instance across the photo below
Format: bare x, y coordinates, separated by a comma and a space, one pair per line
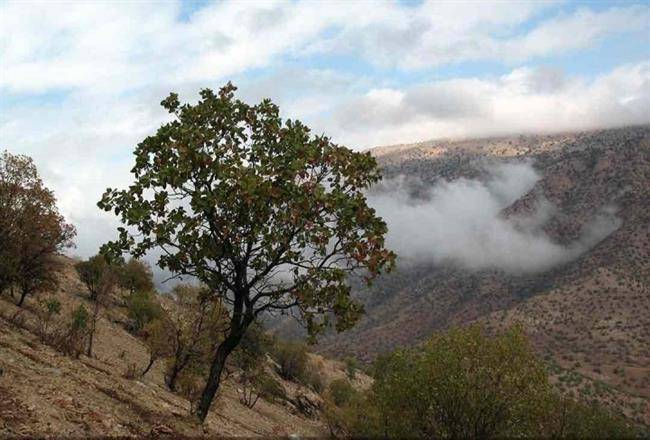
270, 389
74, 337
312, 378
340, 391
351, 367
50, 307
292, 359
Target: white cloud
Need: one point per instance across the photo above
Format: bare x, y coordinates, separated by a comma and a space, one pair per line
127, 45
527, 100
110, 63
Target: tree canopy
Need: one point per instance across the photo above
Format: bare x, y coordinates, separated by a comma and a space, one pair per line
267, 215
32, 231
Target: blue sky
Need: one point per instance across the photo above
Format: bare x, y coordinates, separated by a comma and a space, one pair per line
80, 82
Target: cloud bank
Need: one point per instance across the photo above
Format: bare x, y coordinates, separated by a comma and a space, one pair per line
526, 100
80, 82
460, 222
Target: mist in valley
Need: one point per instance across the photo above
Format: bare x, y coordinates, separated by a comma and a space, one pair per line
462, 222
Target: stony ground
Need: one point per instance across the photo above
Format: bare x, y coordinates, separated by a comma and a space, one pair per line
43, 392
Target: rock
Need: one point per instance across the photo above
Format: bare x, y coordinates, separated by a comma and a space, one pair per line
306, 405
160, 430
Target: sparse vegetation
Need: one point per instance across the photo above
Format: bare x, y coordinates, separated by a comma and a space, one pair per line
198, 323
158, 335
292, 359
100, 278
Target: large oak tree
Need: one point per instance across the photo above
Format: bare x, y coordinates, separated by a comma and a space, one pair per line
267, 215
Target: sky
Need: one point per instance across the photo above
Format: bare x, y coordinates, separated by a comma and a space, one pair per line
81, 82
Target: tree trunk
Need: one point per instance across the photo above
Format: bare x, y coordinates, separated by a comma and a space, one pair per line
173, 376
214, 380
151, 361
93, 325
23, 295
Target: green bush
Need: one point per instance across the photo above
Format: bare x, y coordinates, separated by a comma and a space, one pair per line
567, 418
142, 309
73, 339
135, 276
340, 391
465, 384
50, 307
270, 389
312, 378
292, 359
351, 367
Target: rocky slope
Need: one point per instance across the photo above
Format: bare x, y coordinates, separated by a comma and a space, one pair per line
44, 393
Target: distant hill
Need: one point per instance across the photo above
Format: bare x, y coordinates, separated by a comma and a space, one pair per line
589, 317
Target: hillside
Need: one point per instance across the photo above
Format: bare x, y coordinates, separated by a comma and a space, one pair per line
43, 392
589, 317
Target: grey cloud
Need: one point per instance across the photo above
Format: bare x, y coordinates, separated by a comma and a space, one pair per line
460, 222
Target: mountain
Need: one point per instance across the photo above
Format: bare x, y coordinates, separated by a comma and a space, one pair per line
588, 313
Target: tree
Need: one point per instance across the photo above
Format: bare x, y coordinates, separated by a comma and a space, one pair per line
267, 216
94, 273
142, 308
136, 276
32, 231
100, 278
158, 337
198, 322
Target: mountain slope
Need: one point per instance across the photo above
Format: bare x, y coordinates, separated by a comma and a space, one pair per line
43, 392
590, 314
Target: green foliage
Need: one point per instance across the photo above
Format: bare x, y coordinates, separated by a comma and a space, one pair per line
252, 349
462, 384
32, 232
136, 276
567, 418
79, 320
97, 275
341, 392
159, 336
72, 341
294, 364
269, 388
260, 196
52, 306
351, 367
292, 359
142, 308
465, 384
49, 308
250, 178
